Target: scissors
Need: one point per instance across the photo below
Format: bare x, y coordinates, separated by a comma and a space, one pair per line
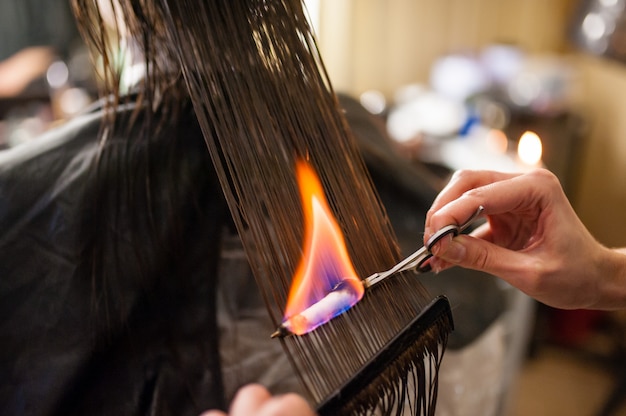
418, 259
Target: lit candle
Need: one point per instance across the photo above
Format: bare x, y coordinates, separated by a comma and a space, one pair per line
529, 149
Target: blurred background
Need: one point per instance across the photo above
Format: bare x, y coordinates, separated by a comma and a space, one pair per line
480, 84
45, 72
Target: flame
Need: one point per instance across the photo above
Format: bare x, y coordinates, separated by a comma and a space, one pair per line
325, 263
529, 148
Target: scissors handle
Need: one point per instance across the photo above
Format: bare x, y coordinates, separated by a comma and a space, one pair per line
418, 260
453, 229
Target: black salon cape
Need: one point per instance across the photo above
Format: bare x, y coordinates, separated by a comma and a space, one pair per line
131, 346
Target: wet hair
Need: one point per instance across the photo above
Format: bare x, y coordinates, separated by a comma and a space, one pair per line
264, 101
123, 33
151, 175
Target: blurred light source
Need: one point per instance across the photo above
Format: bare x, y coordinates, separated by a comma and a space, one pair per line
374, 101
529, 148
73, 100
524, 89
57, 75
502, 62
458, 77
599, 27
594, 26
408, 93
609, 3
429, 113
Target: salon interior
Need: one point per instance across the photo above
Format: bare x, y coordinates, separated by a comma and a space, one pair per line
506, 85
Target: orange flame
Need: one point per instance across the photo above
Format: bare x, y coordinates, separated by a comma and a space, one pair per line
325, 263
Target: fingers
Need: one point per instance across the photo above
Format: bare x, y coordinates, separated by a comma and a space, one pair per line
460, 183
286, 405
477, 254
519, 196
255, 400
464, 180
249, 399
496, 192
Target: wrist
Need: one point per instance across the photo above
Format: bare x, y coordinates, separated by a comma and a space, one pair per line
613, 277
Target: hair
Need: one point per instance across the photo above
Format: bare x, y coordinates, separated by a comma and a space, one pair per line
263, 100
124, 32
144, 195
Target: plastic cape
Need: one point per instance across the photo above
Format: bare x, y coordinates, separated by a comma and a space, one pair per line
145, 340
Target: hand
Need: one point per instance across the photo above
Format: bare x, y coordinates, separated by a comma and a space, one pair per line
255, 400
533, 239
22, 68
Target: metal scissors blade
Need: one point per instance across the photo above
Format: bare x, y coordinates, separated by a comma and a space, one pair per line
418, 260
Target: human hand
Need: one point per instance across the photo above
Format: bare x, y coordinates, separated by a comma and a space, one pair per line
22, 68
255, 400
533, 239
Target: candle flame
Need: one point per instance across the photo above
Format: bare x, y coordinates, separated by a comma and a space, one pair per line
325, 263
529, 148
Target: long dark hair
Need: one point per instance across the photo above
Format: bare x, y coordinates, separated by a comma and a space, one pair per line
144, 197
264, 101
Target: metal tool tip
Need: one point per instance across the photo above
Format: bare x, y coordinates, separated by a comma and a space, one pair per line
281, 332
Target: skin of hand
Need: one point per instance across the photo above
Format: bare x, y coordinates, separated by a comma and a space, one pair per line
532, 239
256, 400
20, 69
